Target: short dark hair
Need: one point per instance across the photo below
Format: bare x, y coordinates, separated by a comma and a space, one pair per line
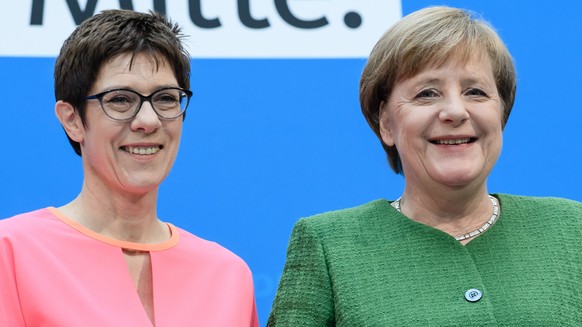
109, 34
430, 37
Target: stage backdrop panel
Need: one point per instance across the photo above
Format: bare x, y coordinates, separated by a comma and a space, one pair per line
274, 131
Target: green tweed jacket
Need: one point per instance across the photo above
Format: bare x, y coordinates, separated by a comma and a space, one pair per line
372, 266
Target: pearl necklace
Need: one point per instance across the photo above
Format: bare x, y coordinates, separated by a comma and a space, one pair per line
491, 221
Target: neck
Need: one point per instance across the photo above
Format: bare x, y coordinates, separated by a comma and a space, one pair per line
455, 212
124, 217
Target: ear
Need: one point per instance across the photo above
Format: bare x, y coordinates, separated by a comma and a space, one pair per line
70, 120
385, 130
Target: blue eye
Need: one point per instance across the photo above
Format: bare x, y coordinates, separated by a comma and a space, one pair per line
475, 92
428, 93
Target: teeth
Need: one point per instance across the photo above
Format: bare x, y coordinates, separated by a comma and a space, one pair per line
450, 142
141, 150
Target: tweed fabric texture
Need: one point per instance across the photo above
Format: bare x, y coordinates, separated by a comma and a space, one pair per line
372, 266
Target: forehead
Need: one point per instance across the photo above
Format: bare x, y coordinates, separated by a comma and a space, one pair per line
141, 69
459, 56
128, 62
476, 67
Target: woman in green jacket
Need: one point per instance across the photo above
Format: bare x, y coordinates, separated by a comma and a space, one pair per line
437, 90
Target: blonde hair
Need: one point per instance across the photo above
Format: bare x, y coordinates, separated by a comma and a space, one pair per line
429, 38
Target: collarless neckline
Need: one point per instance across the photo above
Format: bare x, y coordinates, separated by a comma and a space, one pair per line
171, 242
429, 229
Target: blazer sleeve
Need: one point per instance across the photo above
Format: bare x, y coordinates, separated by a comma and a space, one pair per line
304, 296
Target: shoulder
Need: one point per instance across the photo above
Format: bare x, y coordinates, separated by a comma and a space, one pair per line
545, 210
350, 222
28, 232
25, 223
352, 214
209, 252
543, 204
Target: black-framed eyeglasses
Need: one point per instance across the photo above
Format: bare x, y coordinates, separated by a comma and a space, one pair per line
124, 104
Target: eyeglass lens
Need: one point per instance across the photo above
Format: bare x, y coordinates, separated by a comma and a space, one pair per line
123, 104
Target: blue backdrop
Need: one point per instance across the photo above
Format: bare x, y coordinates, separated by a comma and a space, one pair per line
268, 141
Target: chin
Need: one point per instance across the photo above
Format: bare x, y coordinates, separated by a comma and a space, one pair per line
456, 178
141, 186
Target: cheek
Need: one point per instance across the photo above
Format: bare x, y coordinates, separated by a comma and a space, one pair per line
488, 119
105, 137
494, 124
175, 129
412, 124
494, 134
173, 134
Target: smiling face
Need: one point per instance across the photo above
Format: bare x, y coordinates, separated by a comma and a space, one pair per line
446, 124
131, 157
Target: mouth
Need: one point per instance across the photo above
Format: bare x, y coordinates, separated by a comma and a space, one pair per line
142, 150
459, 141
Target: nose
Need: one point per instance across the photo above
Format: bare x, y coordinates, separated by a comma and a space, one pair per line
454, 111
146, 119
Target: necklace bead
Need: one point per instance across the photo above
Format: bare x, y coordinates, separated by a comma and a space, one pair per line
489, 223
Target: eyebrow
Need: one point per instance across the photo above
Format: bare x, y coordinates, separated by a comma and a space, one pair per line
465, 81
429, 80
157, 88
421, 82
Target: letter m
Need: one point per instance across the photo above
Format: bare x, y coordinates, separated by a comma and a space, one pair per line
36, 15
